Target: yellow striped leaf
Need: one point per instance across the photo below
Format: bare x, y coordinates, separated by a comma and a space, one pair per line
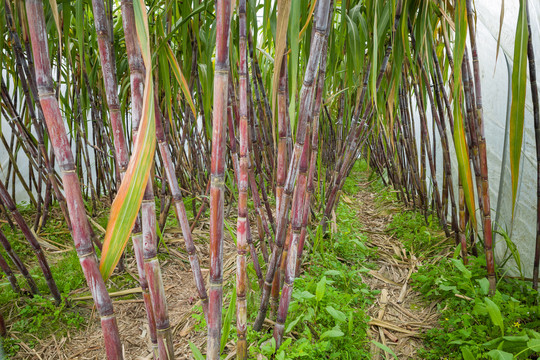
126, 205
180, 78
460, 142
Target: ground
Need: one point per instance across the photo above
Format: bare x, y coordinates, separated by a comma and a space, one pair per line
399, 317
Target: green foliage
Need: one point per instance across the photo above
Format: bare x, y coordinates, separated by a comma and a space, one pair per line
418, 237
328, 308
38, 317
472, 325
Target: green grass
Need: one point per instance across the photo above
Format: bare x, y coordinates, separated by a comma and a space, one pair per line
327, 317
472, 325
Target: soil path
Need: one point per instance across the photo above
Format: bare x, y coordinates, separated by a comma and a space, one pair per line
399, 316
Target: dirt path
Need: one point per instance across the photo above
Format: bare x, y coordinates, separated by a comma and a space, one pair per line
399, 316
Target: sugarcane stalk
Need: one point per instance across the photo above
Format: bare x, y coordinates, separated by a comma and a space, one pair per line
152, 267
81, 230
236, 166
486, 216
120, 146
241, 239
306, 98
180, 210
221, 73
9, 274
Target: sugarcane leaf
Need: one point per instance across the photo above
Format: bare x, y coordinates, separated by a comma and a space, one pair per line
196, 352
228, 320
308, 20
127, 202
519, 89
495, 314
460, 141
54, 8
500, 355
294, 59
384, 348
179, 76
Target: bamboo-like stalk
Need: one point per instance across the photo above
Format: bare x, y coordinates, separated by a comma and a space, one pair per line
241, 239
81, 230
301, 202
18, 264
5, 267
152, 268
313, 154
486, 215
536, 117
221, 73
120, 146
236, 166
306, 98
180, 210
282, 160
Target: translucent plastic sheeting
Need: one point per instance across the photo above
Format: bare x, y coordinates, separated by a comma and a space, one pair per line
496, 96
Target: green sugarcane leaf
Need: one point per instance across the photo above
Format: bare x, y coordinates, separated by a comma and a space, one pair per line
179, 76
126, 205
519, 89
460, 141
495, 314
228, 320
384, 348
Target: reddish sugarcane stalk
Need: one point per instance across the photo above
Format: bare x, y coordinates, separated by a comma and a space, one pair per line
152, 268
313, 154
536, 117
283, 120
296, 227
486, 215
180, 210
236, 166
306, 99
9, 274
241, 225
221, 73
64, 157
120, 145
